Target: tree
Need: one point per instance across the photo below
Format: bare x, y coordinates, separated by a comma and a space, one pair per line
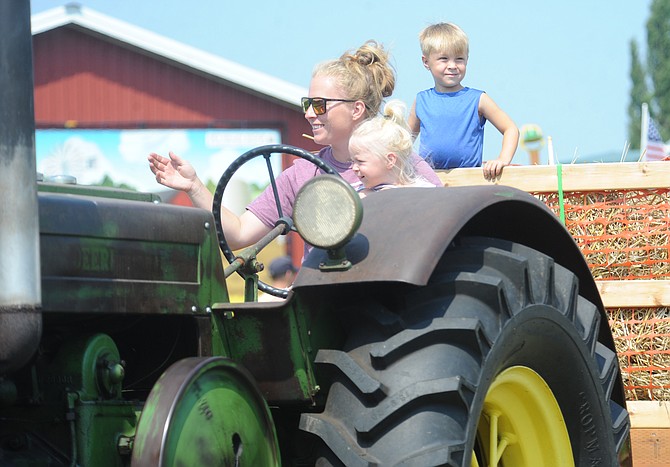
657, 73
658, 62
638, 95
108, 182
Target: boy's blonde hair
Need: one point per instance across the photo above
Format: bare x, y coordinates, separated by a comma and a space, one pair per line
444, 37
385, 134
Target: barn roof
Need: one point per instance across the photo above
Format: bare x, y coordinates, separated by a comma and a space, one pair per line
191, 57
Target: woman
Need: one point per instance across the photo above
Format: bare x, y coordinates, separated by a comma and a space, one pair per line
343, 93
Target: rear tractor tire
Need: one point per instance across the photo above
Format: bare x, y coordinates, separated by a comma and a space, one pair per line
495, 362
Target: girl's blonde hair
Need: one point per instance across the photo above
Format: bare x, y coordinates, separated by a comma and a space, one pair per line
364, 74
444, 37
388, 133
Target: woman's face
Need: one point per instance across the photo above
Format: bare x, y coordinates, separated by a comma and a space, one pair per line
335, 126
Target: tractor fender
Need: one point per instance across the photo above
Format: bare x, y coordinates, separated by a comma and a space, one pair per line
404, 233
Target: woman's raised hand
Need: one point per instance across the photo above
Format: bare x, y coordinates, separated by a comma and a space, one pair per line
173, 172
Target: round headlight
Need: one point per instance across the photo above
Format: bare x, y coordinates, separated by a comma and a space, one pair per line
327, 212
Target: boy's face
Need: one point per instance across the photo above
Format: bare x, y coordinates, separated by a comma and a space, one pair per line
448, 70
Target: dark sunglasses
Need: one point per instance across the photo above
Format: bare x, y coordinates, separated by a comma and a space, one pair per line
319, 103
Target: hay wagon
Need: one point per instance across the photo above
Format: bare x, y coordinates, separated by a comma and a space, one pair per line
619, 215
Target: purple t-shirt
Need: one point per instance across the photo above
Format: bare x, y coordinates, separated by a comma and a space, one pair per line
292, 179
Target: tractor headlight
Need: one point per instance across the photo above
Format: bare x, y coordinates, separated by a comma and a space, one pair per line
327, 212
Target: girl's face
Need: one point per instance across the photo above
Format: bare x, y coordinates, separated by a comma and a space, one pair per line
334, 127
448, 70
371, 169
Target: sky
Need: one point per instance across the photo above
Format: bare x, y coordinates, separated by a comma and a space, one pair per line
562, 65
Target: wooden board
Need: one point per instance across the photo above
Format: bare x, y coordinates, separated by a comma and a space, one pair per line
649, 414
574, 177
650, 447
650, 433
634, 293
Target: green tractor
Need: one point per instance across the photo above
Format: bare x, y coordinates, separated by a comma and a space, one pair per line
455, 326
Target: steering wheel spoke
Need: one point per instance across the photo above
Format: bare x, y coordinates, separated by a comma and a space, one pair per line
266, 152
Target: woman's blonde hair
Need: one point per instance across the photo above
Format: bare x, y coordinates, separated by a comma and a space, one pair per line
444, 37
388, 133
363, 74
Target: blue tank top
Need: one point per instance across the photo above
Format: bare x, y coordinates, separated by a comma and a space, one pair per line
452, 133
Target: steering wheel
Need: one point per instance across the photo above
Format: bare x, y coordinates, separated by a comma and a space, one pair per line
265, 152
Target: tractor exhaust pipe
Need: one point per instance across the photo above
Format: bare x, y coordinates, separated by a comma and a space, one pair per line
20, 279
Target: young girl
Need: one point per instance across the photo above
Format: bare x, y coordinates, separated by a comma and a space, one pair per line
381, 151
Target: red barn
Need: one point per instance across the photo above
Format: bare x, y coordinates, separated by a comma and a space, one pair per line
95, 71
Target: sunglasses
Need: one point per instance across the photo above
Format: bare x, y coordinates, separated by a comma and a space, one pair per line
319, 103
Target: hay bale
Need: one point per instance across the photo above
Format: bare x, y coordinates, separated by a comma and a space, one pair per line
623, 234
642, 340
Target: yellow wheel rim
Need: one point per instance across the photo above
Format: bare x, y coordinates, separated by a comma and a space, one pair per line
521, 424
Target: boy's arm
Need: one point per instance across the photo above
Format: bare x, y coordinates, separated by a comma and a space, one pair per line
510, 134
413, 121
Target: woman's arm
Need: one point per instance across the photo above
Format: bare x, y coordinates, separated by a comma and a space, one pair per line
177, 173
